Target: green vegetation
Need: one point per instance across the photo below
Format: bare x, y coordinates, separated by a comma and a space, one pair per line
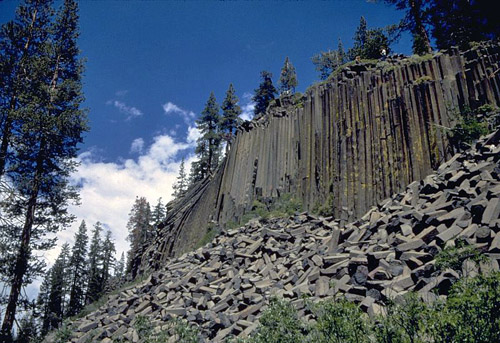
283, 206
471, 313
454, 257
472, 124
324, 209
212, 232
423, 79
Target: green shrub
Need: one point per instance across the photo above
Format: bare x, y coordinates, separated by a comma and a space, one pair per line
63, 334
454, 257
339, 321
324, 209
403, 322
212, 232
470, 126
279, 324
279, 207
471, 312
423, 79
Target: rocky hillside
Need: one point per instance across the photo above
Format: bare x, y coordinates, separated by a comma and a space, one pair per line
224, 286
354, 140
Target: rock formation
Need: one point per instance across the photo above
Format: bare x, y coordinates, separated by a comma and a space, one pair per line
366, 133
224, 286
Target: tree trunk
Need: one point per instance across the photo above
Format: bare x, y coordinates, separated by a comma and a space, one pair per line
416, 13
24, 252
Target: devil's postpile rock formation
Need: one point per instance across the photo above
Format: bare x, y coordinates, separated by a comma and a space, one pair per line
356, 139
224, 286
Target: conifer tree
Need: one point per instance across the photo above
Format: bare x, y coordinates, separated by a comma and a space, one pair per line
77, 271
94, 263
28, 329
368, 43
58, 289
208, 148
52, 127
288, 77
264, 94
180, 187
140, 233
230, 115
341, 55
325, 63
160, 210
108, 260
120, 268
22, 41
42, 302
414, 22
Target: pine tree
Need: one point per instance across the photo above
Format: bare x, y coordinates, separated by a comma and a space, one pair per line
57, 292
209, 143
160, 210
28, 329
264, 94
414, 22
94, 263
140, 234
230, 115
459, 22
108, 260
288, 77
77, 271
21, 42
42, 303
120, 268
325, 63
180, 187
52, 127
341, 55
368, 43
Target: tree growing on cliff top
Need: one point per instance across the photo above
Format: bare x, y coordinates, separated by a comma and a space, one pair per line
230, 115
326, 62
288, 77
181, 185
52, 125
265, 93
415, 22
209, 143
368, 43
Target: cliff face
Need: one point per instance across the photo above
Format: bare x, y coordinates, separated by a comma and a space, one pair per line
356, 139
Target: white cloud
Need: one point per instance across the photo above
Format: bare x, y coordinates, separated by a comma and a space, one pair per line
193, 135
171, 108
247, 107
130, 111
109, 189
137, 145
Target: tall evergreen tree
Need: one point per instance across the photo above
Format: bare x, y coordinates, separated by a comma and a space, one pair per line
140, 233
209, 143
120, 268
414, 22
52, 127
94, 263
180, 186
160, 210
77, 271
108, 260
42, 303
22, 41
28, 329
230, 115
459, 22
58, 287
326, 62
341, 55
288, 77
264, 94
368, 43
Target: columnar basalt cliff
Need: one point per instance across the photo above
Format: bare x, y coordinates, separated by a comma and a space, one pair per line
366, 133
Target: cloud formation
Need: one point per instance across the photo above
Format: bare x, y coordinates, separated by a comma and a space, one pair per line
137, 145
171, 108
130, 111
247, 106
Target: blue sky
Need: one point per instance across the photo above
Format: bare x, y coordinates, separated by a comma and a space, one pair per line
151, 66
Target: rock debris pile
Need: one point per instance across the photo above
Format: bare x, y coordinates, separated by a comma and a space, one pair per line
224, 287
